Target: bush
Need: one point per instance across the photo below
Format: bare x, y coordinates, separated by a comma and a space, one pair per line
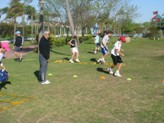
85, 38
61, 41
57, 41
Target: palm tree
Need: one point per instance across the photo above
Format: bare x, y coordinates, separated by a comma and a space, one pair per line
3, 10
31, 12
15, 10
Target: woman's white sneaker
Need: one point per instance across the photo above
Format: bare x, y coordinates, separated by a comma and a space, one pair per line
77, 60
71, 61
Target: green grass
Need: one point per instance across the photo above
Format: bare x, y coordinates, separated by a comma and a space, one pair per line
87, 98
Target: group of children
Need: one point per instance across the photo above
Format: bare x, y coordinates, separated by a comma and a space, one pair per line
17, 47
116, 52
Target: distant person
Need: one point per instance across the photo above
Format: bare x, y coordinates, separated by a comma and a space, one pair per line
2, 52
97, 43
74, 50
104, 48
116, 56
103, 34
18, 43
44, 55
3, 73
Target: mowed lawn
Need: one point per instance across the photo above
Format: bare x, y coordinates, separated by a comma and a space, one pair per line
93, 96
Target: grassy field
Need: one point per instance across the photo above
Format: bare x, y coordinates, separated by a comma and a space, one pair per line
87, 98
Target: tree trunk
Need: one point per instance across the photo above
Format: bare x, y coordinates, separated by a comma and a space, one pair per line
32, 29
14, 28
41, 18
23, 25
70, 18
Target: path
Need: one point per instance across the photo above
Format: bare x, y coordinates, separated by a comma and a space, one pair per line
25, 50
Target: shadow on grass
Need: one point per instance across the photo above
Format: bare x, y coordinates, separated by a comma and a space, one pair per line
36, 73
159, 58
3, 84
90, 52
27, 49
60, 53
102, 70
66, 59
93, 60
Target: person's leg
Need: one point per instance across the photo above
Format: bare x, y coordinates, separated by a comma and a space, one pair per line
119, 66
16, 55
72, 57
20, 56
101, 58
105, 53
77, 57
76, 54
113, 65
43, 68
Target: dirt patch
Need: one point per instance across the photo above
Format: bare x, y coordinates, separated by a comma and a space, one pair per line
10, 54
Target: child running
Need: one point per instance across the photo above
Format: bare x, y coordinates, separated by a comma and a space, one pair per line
104, 48
97, 43
74, 49
115, 54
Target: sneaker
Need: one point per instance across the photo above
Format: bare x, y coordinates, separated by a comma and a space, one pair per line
45, 82
94, 52
110, 71
77, 60
117, 74
48, 81
71, 61
99, 61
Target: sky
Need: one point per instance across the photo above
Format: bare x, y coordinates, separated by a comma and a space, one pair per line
145, 8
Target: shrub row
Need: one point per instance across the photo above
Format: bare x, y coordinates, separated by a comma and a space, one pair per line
61, 41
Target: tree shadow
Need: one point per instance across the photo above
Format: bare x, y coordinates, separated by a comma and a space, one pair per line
102, 70
60, 53
3, 84
36, 73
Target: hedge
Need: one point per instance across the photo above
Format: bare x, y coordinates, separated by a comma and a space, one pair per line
61, 41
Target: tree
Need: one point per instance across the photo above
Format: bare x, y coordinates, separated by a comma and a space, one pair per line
70, 17
6, 30
82, 14
4, 10
58, 11
31, 12
14, 10
41, 19
110, 14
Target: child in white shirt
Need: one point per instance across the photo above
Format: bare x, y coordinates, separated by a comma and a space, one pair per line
116, 56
